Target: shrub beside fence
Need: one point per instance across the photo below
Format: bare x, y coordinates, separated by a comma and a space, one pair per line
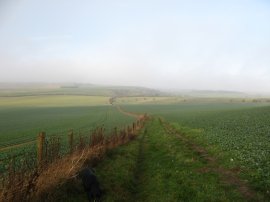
29, 176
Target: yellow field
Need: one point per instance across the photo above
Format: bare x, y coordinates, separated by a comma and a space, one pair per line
53, 101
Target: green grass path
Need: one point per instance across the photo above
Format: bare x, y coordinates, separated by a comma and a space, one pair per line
159, 166
171, 171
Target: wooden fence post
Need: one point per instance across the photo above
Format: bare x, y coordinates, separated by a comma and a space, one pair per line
11, 171
115, 131
115, 137
128, 130
133, 127
71, 141
40, 148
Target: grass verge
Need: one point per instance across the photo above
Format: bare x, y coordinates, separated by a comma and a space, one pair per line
159, 166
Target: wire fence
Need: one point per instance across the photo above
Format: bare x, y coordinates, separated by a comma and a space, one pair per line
21, 172
24, 140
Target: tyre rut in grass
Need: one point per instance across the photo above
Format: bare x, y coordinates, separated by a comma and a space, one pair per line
138, 172
167, 170
159, 166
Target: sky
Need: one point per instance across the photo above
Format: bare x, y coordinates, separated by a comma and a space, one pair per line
165, 44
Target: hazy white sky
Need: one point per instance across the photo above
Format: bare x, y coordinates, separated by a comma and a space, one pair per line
192, 44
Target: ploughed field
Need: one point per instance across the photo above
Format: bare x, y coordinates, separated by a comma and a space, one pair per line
239, 134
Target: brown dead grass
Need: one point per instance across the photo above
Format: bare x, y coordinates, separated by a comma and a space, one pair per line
34, 185
59, 172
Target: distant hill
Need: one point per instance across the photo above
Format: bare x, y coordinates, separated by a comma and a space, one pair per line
31, 89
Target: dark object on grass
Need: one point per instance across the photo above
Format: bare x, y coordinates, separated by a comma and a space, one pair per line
90, 184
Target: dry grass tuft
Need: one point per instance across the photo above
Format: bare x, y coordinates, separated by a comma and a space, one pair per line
37, 184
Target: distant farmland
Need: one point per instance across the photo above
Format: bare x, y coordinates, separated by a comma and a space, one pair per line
22, 118
214, 137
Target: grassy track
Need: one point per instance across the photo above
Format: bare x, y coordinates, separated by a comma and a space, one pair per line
161, 166
238, 133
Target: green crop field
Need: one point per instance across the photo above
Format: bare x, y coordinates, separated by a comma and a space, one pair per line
22, 118
233, 131
237, 133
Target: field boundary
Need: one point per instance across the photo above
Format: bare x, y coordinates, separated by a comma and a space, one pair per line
131, 114
33, 140
29, 179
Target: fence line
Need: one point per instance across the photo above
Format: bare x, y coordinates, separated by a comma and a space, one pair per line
20, 179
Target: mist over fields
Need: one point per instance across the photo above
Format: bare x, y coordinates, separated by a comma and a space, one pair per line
124, 100
209, 45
